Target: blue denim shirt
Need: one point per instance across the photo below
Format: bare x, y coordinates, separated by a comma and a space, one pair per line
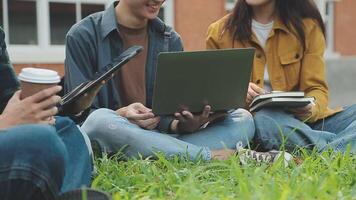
8, 80
94, 42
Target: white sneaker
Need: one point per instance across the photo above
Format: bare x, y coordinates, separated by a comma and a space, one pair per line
265, 157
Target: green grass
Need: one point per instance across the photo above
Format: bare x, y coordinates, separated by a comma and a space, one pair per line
320, 176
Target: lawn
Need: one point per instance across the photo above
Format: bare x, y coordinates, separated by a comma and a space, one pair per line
319, 176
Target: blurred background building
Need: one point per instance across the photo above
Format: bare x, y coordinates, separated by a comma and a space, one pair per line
36, 29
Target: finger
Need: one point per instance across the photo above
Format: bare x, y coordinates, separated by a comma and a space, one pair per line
48, 113
309, 107
187, 114
139, 116
151, 127
257, 89
52, 121
16, 97
154, 124
44, 94
206, 111
249, 99
179, 117
50, 102
252, 93
301, 110
217, 116
46, 122
141, 108
147, 123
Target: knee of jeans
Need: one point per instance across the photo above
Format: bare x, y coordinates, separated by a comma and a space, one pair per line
101, 121
248, 125
45, 149
241, 115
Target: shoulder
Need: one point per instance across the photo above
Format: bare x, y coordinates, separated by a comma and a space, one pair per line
218, 37
163, 29
217, 28
311, 25
170, 32
87, 27
167, 32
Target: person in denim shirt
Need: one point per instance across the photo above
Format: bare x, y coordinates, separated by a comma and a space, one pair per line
115, 125
38, 160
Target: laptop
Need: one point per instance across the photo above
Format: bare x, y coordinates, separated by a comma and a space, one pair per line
191, 80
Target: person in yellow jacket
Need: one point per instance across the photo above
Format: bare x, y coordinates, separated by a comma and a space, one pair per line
289, 37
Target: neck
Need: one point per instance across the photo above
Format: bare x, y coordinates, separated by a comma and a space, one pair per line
127, 18
265, 13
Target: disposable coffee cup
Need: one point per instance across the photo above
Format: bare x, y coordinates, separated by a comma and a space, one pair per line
33, 80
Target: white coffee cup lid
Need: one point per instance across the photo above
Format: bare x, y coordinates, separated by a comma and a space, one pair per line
36, 75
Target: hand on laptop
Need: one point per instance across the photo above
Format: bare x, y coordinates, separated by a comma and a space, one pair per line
189, 123
253, 91
36, 109
140, 115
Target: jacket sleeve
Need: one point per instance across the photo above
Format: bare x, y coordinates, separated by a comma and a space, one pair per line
8, 80
312, 79
212, 37
176, 44
79, 63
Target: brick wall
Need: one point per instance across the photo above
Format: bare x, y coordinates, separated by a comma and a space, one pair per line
344, 30
192, 18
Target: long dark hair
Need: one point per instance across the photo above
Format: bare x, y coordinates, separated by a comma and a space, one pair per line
291, 13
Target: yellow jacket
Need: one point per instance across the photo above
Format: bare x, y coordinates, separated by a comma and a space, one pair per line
289, 67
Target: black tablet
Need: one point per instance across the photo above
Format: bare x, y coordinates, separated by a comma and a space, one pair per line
91, 88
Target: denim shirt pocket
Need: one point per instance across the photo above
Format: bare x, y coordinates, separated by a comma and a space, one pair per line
291, 63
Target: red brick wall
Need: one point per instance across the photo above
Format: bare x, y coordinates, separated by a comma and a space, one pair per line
344, 30
192, 18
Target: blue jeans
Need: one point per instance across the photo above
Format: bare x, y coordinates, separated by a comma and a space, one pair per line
114, 133
41, 161
275, 128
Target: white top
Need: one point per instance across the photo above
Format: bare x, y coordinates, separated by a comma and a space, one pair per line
36, 75
262, 32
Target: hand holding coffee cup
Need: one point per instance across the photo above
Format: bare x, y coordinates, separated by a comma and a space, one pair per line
35, 80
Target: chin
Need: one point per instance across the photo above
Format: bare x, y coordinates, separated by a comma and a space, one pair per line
150, 16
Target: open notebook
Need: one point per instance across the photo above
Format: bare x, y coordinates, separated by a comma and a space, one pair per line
81, 98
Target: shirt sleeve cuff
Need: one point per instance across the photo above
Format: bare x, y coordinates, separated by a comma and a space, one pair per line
164, 125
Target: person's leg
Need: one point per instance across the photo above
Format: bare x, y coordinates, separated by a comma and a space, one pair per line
114, 133
276, 128
32, 162
221, 137
343, 124
79, 166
